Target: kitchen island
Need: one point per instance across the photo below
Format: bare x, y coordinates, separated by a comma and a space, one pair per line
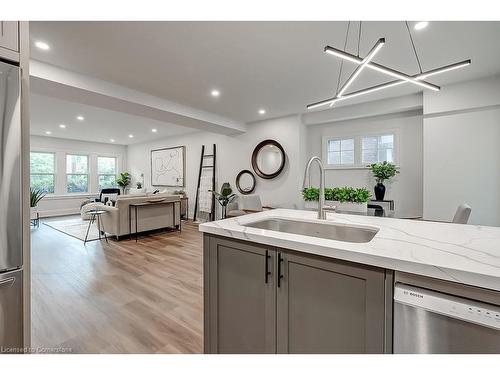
273, 290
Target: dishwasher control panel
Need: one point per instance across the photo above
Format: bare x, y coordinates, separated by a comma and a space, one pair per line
452, 306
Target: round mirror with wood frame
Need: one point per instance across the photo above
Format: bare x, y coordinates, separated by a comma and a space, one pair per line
268, 159
245, 182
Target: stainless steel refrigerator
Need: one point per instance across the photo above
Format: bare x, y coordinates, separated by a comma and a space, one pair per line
11, 225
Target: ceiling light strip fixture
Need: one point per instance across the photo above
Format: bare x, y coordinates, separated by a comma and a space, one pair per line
366, 62
368, 90
383, 69
380, 43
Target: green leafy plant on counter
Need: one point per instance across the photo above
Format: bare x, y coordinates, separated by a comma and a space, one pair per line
311, 194
383, 171
341, 194
36, 195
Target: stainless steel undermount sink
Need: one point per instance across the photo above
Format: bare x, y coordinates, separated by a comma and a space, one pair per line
328, 231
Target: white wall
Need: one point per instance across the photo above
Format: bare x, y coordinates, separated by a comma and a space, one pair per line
234, 154
405, 188
62, 203
461, 152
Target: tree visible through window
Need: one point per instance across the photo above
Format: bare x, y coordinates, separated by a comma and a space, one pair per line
341, 151
42, 171
106, 170
77, 173
376, 149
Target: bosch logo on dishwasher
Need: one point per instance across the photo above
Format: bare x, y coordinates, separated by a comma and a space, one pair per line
413, 294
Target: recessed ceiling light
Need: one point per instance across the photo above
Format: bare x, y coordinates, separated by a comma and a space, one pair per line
42, 45
131, 136
112, 140
48, 132
420, 25
80, 118
154, 130
262, 111
215, 93
62, 126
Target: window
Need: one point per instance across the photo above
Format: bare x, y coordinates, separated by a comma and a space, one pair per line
77, 173
357, 151
106, 171
340, 151
42, 171
376, 149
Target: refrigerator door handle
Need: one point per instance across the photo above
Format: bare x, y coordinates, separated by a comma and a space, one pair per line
9, 280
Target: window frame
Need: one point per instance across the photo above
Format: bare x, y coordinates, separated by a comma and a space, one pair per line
358, 164
327, 151
54, 174
105, 174
88, 174
378, 149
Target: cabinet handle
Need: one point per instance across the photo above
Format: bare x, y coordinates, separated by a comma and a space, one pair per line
280, 276
267, 265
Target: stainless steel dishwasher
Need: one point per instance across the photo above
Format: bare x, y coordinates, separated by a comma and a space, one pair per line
426, 321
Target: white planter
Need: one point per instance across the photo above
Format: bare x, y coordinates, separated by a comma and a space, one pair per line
351, 206
311, 205
341, 206
34, 213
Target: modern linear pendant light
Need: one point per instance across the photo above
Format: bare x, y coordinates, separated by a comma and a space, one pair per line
367, 62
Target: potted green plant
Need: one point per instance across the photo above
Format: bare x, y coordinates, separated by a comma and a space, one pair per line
36, 195
350, 199
344, 198
123, 181
382, 172
225, 197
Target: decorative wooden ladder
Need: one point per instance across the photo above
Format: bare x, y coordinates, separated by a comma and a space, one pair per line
203, 166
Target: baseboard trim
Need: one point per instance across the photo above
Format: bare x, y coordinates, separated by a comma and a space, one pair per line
60, 212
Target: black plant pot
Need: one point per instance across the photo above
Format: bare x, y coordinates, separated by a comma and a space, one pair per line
379, 191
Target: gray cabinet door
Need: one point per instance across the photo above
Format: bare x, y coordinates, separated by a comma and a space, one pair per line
329, 306
9, 35
242, 300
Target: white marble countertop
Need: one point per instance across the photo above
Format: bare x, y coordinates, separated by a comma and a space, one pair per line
467, 254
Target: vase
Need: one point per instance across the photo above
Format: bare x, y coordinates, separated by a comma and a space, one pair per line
379, 191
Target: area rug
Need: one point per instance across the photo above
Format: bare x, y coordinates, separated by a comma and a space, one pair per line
75, 227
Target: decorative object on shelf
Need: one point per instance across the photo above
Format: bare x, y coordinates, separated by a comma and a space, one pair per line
168, 166
180, 192
343, 198
268, 159
245, 182
36, 195
123, 181
382, 171
225, 197
139, 185
366, 62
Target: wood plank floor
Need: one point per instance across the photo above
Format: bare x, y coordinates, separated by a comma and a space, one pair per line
121, 297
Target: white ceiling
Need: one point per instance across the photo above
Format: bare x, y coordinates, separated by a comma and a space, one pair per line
99, 125
279, 66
